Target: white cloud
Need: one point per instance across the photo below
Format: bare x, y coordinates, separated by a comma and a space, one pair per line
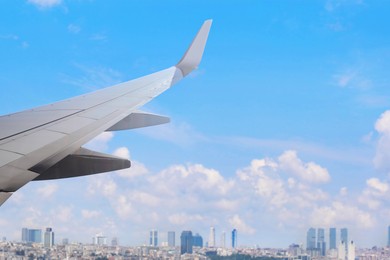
45, 3
137, 169
47, 191
239, 224
379, 187
382, 156
180, 134
88, 214
339, 213
100, 142
73, 28
353, 79
181, 219
310, 171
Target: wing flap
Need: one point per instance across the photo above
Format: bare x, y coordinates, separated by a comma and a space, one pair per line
81, 163
139, 119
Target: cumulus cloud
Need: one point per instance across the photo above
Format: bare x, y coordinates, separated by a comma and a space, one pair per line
339, 213
45, 3
137, 169
100, 142
310, 171
382, 156
239, 224
47, 191
88, 214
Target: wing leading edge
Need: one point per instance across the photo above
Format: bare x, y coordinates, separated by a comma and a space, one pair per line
46, 142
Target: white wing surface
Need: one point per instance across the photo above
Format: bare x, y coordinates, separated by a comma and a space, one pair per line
46, 142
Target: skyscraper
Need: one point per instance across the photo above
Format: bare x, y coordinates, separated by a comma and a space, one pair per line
234, 238
153, 239
197, 240
24, 234
35, 235
351, 251
332, 238
171, 238
311, 239
388, 236
223, 239
48, 238
344, 238
212, 237
321, 244
186, 242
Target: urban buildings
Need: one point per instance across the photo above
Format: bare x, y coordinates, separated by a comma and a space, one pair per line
99, 239
311, 239
171, 238
153, 238
388, 236
344, 238
332, 238
223, 239
212, 237
48, 238
31, 235
321, 244
234, 238
186, 244
197, 240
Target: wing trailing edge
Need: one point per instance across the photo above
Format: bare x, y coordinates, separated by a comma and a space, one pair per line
81, 163
139, 119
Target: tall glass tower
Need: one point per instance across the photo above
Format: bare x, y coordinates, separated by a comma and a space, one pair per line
234, 238
153, 239
321, 244
344, 238
388, 236
212, 237
171, 238
186, 244
332, 238
311, 239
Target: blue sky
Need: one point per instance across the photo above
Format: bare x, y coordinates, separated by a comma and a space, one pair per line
284, 125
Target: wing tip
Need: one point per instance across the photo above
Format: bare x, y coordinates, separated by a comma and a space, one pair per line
194, 53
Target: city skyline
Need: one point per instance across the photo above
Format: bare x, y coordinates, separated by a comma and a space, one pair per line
283, 127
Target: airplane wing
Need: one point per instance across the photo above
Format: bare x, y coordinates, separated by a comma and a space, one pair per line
46, 142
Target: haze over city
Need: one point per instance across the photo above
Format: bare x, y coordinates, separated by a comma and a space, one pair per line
284, 126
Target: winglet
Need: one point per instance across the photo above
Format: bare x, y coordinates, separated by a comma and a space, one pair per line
193, 55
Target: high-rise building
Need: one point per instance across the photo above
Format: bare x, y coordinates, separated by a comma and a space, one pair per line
321, 244
99, 239
186, 244
234, 238
341, 250
212, 237
223, 239
25, 235
114, 241
388, 236
153, 238
65, 241
171, 238
332, 238
344, 238
197, 240
49, 238
351, 251
35, 235
344, 235
311, 239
